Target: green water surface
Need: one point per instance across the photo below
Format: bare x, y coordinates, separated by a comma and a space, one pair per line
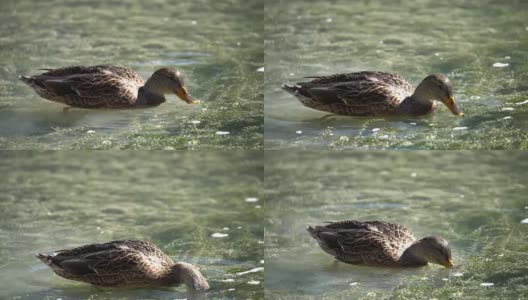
52, 201
461, 39
475, 200
216, 44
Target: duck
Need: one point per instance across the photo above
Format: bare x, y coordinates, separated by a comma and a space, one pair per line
107, 86
373, 93
123, 263
378, 243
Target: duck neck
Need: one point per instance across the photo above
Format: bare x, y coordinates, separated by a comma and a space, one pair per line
411, 258
189, 275
414, 106
423, 92
146, 97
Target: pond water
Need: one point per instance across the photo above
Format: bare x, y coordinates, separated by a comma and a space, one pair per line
216, 44
53, 201
482, 46
475, 200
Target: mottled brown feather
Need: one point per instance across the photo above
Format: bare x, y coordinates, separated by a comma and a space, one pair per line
367, 93
364, 243
117, 263
102, 86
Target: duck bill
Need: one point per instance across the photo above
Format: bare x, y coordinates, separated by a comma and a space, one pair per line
185, 96
453, 106
449, 264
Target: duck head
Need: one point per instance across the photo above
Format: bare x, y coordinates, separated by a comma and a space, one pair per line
167, 81
188, 274
430, 249
438, 87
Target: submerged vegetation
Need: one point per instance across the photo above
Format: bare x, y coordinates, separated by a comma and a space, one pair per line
488, 137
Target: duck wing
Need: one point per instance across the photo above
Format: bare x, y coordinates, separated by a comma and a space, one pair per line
361, 93
390, 78
359, 242
75, 70
96, 258
90, 89
394, 232
100, 69
94, 248
109, 264
395, 235
359, 89
126, 73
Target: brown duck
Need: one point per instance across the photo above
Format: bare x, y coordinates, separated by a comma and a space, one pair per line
107, 87
374, 94
378, 243
123, 263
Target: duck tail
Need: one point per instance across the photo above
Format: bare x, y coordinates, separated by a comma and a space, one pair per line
312, 231
26, 79
42, 257
45, 258
292, 89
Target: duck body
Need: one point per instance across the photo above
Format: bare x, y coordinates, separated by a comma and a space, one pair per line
106, 87
372, 93
123, 263
376, 243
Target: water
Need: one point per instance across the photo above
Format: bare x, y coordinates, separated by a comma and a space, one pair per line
210, 207
57, 200
462, 39
475, 200
216, 44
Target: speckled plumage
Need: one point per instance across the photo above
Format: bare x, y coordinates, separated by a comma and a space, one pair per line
367, 93
377, 243
102, 87
122, 263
